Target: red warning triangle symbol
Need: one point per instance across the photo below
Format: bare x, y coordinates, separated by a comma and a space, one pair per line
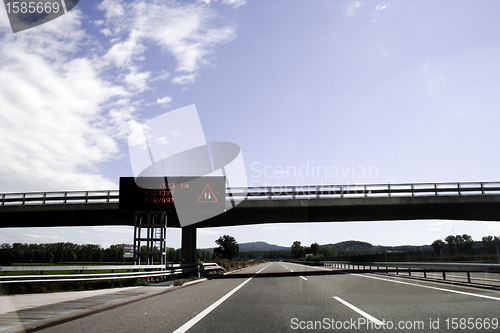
207, 195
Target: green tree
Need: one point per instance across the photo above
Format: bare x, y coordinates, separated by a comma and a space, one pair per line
488, 243
315, 249
228, 247
329, 252
467, 244
451, 242
438, 245
6, 255
297, 250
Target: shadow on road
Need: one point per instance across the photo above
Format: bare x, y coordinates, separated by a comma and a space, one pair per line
263, 274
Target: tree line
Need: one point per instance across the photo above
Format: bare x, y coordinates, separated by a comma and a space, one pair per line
313, 252
464, 244
58, 252
70, 252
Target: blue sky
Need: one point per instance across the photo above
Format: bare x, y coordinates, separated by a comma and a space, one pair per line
406, 91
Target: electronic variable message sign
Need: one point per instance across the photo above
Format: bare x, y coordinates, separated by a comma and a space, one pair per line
207, 193
128, 251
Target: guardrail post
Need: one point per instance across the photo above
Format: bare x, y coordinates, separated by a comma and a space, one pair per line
386, 270
107, 200
65, 197
365, 192
397, 271
436, 189
425, 273
341, 191
444, 275
482, 188
468, 277
412, 192
86, 196
389, 189
24, 198
409, 271
3, 199
317, 192
44, 197
459, 192
269, 193
293, 192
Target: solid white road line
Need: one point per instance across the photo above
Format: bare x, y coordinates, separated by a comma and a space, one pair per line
303, 277
202, 314
361, 312
430, 287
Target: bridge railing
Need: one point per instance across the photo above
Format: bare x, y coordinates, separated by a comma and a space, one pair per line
275, 192
148, 271
366, 190
68, 197
426, 268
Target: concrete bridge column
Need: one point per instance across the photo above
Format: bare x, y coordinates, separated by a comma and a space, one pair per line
188, 245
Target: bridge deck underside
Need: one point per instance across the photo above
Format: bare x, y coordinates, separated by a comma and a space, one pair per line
483, 208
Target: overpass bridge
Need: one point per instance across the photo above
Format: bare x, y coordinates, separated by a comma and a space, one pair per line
271, 204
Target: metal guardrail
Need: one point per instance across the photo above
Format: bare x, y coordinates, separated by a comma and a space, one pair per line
424, 267
368, 190
68, 197
80, 268
171, 269
275, 192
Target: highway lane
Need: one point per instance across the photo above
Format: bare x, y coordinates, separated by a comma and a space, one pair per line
286, 297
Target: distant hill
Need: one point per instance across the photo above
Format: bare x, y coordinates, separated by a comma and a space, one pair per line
350, 245
263, 246
255, 246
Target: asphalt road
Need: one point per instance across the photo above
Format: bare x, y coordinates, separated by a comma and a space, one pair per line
284, 297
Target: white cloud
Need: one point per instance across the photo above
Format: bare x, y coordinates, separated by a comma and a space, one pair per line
106, 32
235, 3
165, 100
205, 231
184, 79
185, 31
52, 129
380, 7
162, 141
163, 75
383, 52
352, 8
137, 81
66, 100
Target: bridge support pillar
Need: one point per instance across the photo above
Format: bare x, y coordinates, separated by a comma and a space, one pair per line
150, 238
188, 245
